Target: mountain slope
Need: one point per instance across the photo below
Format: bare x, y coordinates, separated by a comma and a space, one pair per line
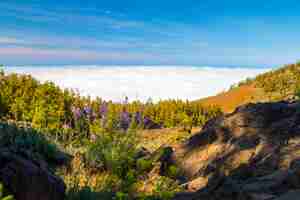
233, 98
275, 85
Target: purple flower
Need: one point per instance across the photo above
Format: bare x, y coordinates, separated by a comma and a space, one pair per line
76, 112
138, 117
89, 113
125, 120
103, 110
125, 116
150, 124
87, 110
146, 120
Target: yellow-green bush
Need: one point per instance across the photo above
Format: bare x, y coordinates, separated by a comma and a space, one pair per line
3, 193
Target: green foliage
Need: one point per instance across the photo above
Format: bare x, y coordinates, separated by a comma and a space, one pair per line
27, 140
144, 165
115, 153
173, 171
122, 196
49, 109
86, 193
3, 195
244, 82
186, 122
280, 84
39, 112
166, 188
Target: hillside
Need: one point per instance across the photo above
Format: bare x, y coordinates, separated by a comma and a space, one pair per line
229, 100
275, 85
56, 144
250, 154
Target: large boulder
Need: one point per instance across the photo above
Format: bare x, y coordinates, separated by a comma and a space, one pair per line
256, 149
263, 136
291, 195
29, 180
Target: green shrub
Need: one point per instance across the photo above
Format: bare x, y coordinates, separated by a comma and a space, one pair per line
3, 195
87, 194
27, 140
165, 188
122, 196
173, 171
46, 106
281, 83
144, 165
115, 153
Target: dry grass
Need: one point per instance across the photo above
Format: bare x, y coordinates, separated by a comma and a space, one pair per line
153, 139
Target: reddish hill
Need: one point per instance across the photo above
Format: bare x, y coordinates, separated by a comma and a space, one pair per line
233, 98
276, 85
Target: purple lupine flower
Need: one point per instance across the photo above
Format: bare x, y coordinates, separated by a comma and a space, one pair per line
150, 124
76, 112
125, 120
87, 110
103, 110
138, 117
146, 121
125, 116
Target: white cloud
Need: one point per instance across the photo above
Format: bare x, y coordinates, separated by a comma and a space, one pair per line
142, 82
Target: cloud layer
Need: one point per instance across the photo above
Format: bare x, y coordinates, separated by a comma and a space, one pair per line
157, 82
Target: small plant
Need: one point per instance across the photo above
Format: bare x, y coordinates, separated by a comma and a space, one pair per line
121, 196
165, 188
144, 165
2, 194
173, 171
115, 154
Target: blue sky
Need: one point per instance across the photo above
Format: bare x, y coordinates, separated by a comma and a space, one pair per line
256, 33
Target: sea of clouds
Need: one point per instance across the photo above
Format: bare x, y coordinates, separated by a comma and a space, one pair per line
141, 82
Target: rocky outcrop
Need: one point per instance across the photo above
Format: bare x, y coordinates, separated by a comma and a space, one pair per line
252, 153
29, 180
291, 195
